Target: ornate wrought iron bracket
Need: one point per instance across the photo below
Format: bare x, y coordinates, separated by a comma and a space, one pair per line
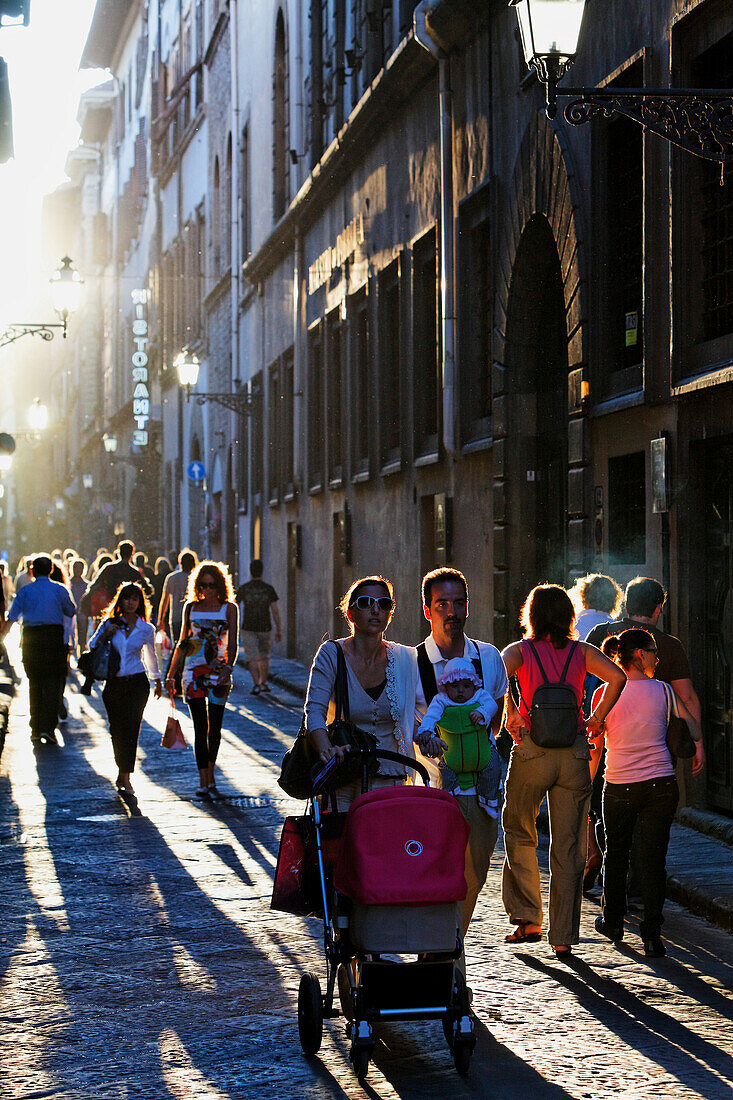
697, 120
10, 333
239, 403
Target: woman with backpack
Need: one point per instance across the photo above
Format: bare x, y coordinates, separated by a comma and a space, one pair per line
550, 757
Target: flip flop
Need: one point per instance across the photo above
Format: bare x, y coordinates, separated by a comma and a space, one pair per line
520, 935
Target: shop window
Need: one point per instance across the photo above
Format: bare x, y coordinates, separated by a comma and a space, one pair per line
390, 358
627, 509
426, 343
361, 404
316, 433
334, 396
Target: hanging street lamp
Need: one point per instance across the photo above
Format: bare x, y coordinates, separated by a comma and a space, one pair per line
66, 284
188, 366
699, 120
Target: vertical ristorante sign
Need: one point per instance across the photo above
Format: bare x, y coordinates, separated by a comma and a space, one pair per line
140, 393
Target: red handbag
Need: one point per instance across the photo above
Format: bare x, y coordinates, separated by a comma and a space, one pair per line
173, 736
297, 885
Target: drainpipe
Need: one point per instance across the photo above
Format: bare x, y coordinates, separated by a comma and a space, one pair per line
236, 259
447, 297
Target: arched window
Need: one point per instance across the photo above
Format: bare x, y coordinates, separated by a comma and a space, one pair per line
280, 110
216, 220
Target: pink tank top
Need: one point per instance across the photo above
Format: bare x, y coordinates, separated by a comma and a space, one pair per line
553, 662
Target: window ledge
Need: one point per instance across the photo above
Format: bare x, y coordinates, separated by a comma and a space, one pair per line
618, 404
713, 378
478, 445
427, 460
274, 501
391, 468
336, 482
361, 477
313, 490
289, 496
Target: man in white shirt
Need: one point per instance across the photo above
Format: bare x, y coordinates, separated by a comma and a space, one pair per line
445, 605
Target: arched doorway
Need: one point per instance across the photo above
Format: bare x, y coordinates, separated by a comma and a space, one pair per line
536, 364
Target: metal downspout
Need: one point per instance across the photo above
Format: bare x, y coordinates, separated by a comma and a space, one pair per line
447, 273
238, 420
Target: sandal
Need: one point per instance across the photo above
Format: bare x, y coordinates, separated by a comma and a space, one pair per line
562, 951
521, 935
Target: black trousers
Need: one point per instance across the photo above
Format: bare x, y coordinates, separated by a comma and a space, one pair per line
124, 700
207, 718
650, 806
44, 661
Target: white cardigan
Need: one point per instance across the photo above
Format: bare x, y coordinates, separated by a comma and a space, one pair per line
401, 686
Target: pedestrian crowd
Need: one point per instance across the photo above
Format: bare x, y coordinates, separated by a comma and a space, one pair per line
551, 719
573, 714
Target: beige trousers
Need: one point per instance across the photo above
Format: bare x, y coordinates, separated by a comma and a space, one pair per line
479, 850
564, 776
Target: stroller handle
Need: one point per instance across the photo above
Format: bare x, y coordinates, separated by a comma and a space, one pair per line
397, 757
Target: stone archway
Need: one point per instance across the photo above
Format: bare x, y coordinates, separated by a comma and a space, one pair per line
539, 499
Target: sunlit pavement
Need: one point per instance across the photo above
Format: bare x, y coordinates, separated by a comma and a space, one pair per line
139, 956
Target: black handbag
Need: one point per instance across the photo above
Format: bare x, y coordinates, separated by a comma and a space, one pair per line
295, 771
101, 662
679, 740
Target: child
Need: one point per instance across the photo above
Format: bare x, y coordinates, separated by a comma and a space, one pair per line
455, 723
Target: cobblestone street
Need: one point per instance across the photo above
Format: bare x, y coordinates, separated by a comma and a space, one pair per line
140, 957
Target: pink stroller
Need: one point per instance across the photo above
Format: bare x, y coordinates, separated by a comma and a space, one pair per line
398, 882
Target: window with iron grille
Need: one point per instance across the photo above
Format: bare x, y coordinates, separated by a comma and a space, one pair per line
361, 405
390, 361
627, 509
246, 205
274, 432
625, 175
316, 426
714, 69
287, 423
317, 106
475, 311
426, 344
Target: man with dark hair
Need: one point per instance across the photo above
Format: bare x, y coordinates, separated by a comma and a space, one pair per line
117, 572
42, 606
445, 606
173, 596
258, 601
645, 599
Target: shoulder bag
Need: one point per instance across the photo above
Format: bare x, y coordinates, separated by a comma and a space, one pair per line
679, 740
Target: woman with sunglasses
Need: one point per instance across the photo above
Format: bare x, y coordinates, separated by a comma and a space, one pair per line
381, 678
640, 787
125, 694
208, 649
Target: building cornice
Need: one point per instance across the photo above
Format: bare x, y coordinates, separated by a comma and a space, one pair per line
106, 37
408, 67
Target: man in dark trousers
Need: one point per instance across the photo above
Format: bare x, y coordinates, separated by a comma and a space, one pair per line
259, 601
42, 606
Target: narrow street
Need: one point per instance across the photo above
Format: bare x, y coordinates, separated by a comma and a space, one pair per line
140, 957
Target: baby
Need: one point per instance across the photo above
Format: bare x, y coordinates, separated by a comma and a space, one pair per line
458, 686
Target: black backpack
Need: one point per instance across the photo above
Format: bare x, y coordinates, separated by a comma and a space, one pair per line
554, 710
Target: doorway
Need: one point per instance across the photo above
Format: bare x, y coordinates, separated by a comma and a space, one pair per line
536, 362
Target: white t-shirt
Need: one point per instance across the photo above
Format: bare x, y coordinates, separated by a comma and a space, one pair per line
636, 729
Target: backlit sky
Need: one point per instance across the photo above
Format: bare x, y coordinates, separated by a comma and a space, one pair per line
43, 61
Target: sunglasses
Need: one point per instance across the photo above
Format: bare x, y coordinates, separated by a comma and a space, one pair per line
366, 603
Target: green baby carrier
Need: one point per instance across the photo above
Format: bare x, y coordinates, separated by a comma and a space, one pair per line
469, 746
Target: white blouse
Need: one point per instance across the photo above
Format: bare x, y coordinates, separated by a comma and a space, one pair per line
130, 647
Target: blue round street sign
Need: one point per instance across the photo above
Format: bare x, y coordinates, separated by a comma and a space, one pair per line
196, 471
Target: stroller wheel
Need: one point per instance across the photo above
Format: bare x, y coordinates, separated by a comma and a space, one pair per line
345, 995
310, 1014
462, 1052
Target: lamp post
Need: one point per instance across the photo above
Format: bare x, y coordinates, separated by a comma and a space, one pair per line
699, 120
66, 284
188, 365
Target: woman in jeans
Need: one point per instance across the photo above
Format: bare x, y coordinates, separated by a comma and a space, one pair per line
640, 787
125, 694
561, 774
208, 648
